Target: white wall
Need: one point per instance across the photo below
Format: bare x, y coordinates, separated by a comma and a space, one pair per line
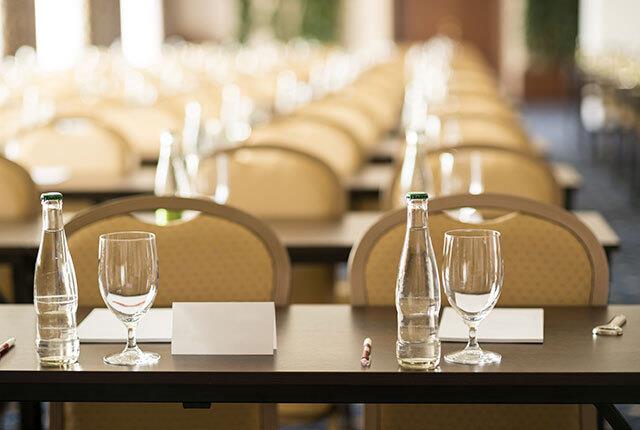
142, 30
365, 22
61, 34
609, 25
205, 19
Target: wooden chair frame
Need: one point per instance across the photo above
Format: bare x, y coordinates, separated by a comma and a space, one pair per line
600, 268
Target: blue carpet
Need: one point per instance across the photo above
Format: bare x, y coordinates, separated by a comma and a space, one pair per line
603, 190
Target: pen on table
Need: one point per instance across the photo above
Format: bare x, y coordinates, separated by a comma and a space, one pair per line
7, 345
365, 360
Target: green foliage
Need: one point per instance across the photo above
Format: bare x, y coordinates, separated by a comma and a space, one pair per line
319, 20
552, 29
245, 20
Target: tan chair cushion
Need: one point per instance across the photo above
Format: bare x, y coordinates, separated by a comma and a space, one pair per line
544, 263
204, 259
154, 416
141, 125
501, 171
353, 121
83, 146
329, 144
18, 193
479, 417
276, 183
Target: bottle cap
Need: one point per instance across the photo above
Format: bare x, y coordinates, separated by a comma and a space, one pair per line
417, 195
50, 196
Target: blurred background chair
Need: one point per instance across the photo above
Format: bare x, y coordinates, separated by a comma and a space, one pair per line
221, 254
480, 169
81, 146
19, 196
330, 144
543, 246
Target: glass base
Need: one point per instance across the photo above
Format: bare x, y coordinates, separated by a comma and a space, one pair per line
473, 356
132, 357
419, 363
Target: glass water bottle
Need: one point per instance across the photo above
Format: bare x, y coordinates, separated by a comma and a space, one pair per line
417, 291
55, 291
415, 174
171, 175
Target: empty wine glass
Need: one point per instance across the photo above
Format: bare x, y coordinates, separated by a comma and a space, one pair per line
472, 276
128, 279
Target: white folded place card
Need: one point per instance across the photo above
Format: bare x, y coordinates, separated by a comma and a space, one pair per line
502, 325
224, 328
102, 326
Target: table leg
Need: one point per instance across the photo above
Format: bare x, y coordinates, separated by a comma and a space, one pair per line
613, 416
569, 198
30, 416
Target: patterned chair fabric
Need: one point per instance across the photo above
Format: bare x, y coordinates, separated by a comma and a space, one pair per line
276, 183
85, 146
499, 170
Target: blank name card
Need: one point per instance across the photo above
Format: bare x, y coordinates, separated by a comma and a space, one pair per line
224, 328
102, 326
502, 325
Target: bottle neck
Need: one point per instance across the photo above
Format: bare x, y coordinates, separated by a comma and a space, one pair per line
417, 213
52, 215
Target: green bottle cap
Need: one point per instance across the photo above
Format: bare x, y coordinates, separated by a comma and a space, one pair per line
50, 196
417, 195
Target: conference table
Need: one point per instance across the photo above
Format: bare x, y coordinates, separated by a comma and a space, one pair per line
318, 360
322, 242
369, 183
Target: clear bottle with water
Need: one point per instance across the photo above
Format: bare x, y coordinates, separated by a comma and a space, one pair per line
171, 175
55, 291
418, 291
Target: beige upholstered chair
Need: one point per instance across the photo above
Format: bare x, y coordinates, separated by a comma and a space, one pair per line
222, 254
330, 144
353, 121
551, 259
140, 125
276, 183
19, 196
18, 192
85, 146
489, 169
460, 130
475, 105
383, 110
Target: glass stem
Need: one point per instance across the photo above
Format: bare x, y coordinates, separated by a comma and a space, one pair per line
131, 337
473, 339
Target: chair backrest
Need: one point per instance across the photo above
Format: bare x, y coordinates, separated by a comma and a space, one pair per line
222, 254
275, 183
84, 145
488, 169
18, 192
330, 144
348, 118
141, 125
480, 129
551, 258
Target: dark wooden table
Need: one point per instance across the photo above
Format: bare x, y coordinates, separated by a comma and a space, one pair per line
367, 183
318, 360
